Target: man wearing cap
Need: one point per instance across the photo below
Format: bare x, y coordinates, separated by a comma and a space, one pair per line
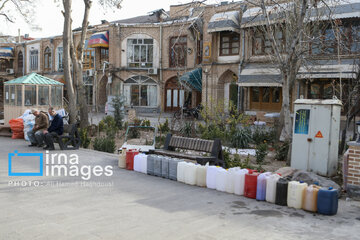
36, 135
56, 129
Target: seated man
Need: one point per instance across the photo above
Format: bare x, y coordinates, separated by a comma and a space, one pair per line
56, 129
36, 135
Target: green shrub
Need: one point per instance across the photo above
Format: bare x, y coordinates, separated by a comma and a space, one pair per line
240, 138
146, 123
281, 151
261, 152
261, 135
108, 124
187, 130
164, 127
104, 144
85, 140
160, 141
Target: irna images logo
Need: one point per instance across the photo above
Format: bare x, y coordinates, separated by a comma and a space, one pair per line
56, 165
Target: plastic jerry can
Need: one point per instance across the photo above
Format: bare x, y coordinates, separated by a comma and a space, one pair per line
190, 173
310, 198
230, 181
240, 181
150, 164
271, 187
173, 164
295, 194
122, 159
327, 202
137, 162
165, 167
130, 154
250, 185
211, 177
157, 165
181, 172
143, 167
201, 175
261, 186
281, 192
221, 178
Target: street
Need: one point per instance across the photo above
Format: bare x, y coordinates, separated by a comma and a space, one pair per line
131, 205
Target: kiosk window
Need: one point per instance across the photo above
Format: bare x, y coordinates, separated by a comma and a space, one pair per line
302, 121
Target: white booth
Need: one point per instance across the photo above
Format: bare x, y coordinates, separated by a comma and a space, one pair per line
316, 132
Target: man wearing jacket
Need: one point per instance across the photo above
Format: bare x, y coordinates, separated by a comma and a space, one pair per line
36, 135
56, 129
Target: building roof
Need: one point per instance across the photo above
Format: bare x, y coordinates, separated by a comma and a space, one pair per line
139, 19
34, 78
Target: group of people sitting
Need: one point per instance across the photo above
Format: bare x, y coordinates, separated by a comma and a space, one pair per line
45, 131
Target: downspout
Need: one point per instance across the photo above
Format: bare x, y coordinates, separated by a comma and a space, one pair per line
160, 67
240, 101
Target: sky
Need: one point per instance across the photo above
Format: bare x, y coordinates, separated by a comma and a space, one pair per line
49, 18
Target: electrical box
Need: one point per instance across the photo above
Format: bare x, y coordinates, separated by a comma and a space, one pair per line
315, 142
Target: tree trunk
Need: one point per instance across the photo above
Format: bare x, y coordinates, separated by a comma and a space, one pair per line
67, 61
287, 129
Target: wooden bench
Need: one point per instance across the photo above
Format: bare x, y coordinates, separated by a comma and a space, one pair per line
70, 137
173, 143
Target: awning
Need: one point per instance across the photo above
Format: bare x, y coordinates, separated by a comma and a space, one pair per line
254, 16
192, 80
259, 75
329, 69
338, 10
99, 39
6, 52
224, 21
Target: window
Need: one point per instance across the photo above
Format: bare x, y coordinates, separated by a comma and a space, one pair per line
229, 44
7, 94
12, 94
18, 95
178, 51
20, 61
321, 89
141, 91
104, 54
262, 45
34, 60
30, 95
4, 64
140, 53
43, 95
265, 98
47, 59
326, 39
56, 95
89, 82
89, 59
60, 59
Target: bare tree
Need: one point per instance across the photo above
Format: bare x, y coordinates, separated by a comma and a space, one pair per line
299, 21
74, 55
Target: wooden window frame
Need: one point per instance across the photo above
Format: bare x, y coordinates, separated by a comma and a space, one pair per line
177, 61
231, 41
266, 106
47, 59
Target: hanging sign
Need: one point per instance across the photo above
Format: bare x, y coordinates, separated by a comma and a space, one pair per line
319, 135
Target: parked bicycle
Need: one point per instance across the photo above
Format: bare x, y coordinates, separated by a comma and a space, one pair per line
188, 112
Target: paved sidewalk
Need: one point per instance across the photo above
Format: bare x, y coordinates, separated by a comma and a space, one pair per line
130, 205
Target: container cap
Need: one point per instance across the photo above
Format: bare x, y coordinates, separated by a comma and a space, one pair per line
316, 183
330, 188
301, 181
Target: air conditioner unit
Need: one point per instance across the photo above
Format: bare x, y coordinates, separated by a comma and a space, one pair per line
90, 72
152, 71
10, 71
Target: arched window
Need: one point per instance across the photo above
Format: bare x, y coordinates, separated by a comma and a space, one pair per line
141, 91
20, 61
47, 59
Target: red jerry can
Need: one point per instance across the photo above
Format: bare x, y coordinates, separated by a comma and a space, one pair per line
130, 154
250, 185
